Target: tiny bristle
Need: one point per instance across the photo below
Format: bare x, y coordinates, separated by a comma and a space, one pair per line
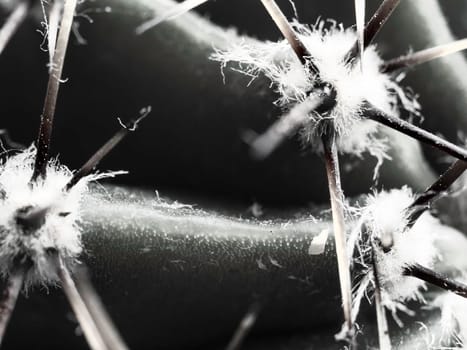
50, 102
423, 56
176, 11
107, 147
14, 283
246, 324
52, 30
381, 319
86, 322
98, 312
441, 185
372, 28
331, 161
436, 279
289, 34
360, 6
285, 126
13, 22
418, 133
378, 20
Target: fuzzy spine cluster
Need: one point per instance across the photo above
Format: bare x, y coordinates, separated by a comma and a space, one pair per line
328, 44
59, 233
453, 319
381, 232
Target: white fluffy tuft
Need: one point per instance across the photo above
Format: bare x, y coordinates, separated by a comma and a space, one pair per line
383, 222
328, 45
453, 319
60, 231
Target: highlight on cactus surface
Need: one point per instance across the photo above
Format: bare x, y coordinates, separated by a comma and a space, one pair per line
337, 92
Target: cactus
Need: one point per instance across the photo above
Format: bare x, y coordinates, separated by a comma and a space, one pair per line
159, 265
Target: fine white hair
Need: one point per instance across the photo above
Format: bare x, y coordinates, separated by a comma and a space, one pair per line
383, 223
60, 231
328, 44
453, 318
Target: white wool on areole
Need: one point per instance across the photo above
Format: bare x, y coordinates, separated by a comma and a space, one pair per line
453, 319
383, 219
328, 44
60, 231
